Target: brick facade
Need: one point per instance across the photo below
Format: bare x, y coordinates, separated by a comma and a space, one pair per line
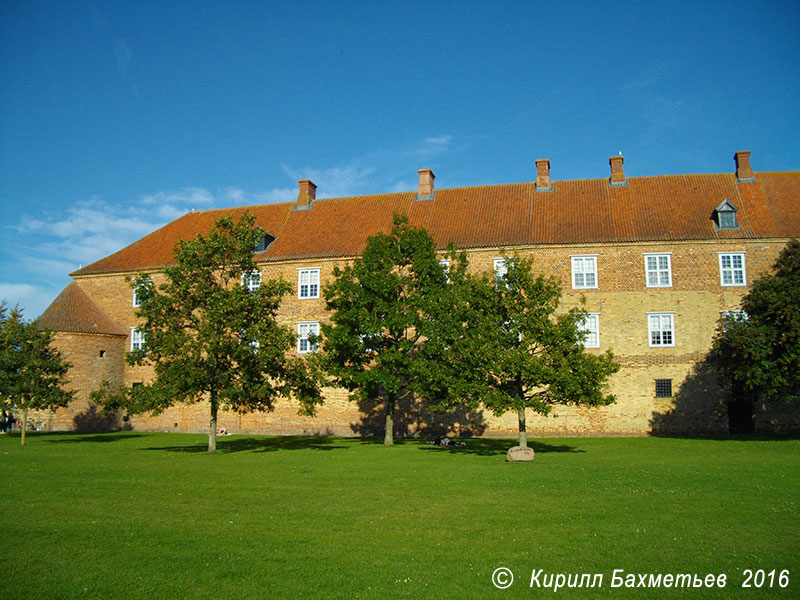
621, 299
694, 298
94, 359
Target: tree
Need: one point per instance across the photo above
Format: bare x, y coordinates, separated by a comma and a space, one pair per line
758, 352
517, 353
32, 371
211, 331
377, 344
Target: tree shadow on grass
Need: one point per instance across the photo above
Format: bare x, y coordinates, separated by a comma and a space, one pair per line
73, 437
231, 444
496, 447
477, 446
734, 437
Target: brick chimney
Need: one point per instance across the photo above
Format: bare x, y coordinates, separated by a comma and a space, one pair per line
543, 182
425, 189
307, 194
617, 178
744, 172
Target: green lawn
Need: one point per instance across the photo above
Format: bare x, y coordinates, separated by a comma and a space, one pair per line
132, 515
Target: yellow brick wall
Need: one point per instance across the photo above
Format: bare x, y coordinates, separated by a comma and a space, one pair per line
88, 370
622, 300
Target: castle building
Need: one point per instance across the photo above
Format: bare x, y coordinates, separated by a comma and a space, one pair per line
657, 259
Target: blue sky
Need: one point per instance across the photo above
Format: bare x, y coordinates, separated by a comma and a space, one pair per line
118, 117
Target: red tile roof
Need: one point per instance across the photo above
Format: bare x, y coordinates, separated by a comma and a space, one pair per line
74, 312
662, 208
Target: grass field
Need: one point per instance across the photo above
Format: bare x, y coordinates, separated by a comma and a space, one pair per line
138, 515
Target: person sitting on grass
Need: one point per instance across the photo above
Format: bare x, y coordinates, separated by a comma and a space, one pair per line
446, 441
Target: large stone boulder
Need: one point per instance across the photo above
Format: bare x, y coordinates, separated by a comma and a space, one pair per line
519, 454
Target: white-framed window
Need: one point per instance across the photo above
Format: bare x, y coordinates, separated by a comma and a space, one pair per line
445, 264
591, 325
136, 302
732, 269
137, 339
304, 330
658, 270
661, 329
500, 269
244, 337
735, 315
738, 315
252, 280
584, 272
307, 283
509, 328
370, 342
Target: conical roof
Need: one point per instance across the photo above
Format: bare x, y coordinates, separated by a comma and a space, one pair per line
73, 311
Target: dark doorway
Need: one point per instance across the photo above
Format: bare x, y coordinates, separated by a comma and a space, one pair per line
740, 412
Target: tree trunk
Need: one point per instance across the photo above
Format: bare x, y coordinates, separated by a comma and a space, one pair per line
212, 426
523, 435
388, 438
24, 425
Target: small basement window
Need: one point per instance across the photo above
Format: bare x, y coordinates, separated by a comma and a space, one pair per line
725, 216
663, 388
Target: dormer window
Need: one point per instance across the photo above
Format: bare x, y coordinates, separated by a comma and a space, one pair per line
725, 216
263, 243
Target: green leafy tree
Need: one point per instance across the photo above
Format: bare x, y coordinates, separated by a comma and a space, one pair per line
32, 371
758, 353
211, 336
378, 344
516, 352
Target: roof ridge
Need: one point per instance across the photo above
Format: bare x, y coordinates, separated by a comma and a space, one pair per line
456, 188
163, 227
573, 211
